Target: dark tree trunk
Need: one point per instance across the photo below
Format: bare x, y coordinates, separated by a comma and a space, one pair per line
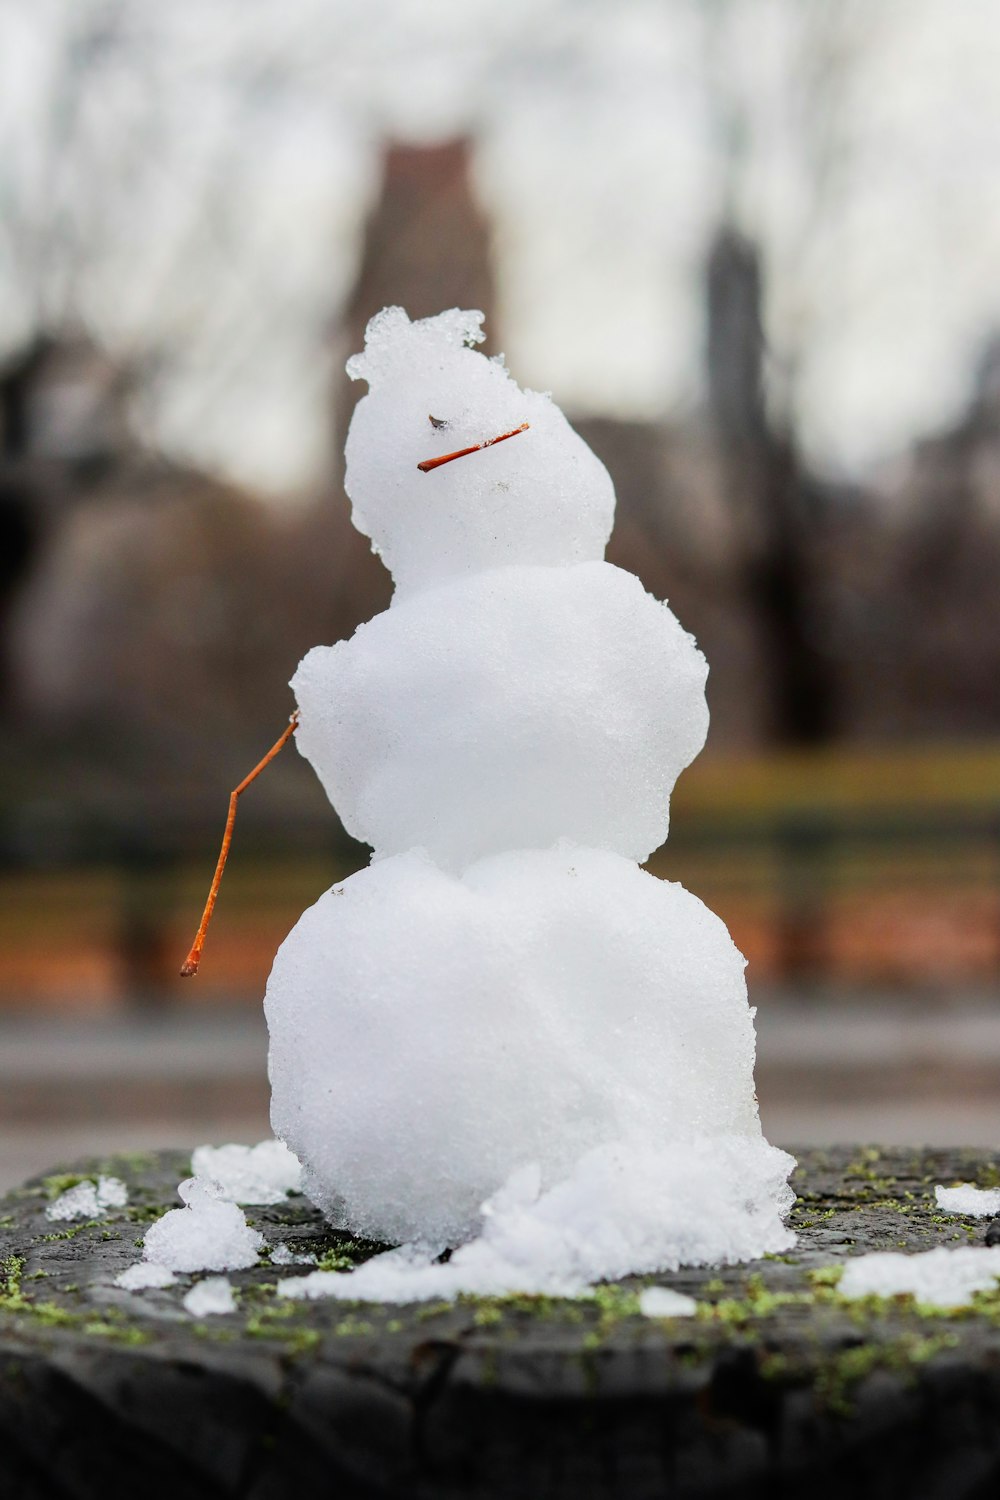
777, 507
20, 523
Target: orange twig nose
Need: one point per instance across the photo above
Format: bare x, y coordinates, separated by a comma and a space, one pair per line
446, 458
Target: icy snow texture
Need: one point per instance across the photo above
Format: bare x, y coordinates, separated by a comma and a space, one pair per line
541, 1004
540, 497
208, 1234
938, 1278
88, 1200
504, 1033
281, 1255
211, 1296
973, 1202
625, 1207
265, 1173
145, 1274
506, 711
664, 1302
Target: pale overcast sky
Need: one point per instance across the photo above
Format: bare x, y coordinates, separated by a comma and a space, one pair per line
200, 196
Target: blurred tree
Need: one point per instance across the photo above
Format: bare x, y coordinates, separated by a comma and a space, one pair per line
930, 630
62, 429
20, 522
778, 509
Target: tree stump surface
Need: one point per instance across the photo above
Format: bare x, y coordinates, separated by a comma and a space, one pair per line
777, 1387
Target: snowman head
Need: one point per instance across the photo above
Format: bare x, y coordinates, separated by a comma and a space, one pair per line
540, 497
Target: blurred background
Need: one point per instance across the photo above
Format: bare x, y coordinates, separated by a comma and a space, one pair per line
752, 248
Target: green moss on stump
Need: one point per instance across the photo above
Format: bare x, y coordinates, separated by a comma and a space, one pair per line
784, 1312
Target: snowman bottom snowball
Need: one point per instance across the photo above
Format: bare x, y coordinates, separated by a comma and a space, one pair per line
433, 1033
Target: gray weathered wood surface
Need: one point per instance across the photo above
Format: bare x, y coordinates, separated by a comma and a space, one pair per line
777, 1388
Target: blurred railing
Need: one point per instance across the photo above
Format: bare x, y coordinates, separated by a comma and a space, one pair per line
94, 911
96, 914
814, 896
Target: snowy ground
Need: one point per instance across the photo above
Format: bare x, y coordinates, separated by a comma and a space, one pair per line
883, 1067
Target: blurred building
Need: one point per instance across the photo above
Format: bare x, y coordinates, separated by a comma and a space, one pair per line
150, 597
427, 247
151, 616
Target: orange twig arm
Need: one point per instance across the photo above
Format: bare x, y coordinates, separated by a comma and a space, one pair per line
446, 458
190, 965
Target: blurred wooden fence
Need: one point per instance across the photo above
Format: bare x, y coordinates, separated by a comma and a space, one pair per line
828, 870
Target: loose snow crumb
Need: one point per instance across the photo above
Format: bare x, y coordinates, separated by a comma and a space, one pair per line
214, 1295
320, 1284
144, 1274
209, 1234
966, 1199
88, 1200
663, 1302
940, 1278
260, 1174
624, 1208
282, 1256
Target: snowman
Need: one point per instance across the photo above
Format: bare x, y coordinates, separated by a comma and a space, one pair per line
503, 1020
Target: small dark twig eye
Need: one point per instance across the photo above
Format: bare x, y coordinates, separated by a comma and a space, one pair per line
437, 421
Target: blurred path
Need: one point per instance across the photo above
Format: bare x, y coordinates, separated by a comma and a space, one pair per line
74, 1087
891, 1069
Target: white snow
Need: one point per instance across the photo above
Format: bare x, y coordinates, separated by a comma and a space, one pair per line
208, 1234
260, 1174
939, 1278
145, 1273
209, 1297
971, 1201
503, 1036
506, 711
664, 1302
541, 497
281, 1255
431, 1033
624, 1208
88, 1199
